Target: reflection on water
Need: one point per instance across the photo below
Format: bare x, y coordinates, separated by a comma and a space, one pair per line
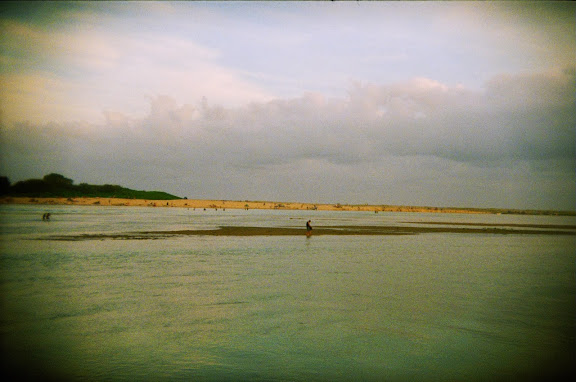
329, 308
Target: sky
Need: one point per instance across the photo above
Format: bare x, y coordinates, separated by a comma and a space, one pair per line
462, 104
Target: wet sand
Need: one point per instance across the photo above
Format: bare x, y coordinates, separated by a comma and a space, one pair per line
320, 231
546, 226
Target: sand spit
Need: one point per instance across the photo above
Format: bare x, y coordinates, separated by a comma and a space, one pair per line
247, 205
328, 230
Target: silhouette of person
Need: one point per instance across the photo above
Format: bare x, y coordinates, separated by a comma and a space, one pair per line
308, 228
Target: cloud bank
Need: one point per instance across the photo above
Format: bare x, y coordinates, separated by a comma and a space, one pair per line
436, 103
511, 144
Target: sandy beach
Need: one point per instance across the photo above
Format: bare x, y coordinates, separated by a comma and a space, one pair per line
232, 204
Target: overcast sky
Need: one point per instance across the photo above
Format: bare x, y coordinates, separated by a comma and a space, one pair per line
467, 104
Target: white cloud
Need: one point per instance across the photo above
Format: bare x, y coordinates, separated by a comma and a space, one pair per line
77, 76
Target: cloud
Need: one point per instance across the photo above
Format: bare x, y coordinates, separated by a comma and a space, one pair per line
66, 74
210, 101
414, 139
516, 117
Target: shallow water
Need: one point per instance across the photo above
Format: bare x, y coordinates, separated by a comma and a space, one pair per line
422, 307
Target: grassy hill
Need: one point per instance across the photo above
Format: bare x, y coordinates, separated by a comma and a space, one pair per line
56, 185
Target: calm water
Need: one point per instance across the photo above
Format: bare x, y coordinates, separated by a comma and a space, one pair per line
429, 307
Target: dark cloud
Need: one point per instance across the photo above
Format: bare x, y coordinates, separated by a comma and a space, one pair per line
411, 142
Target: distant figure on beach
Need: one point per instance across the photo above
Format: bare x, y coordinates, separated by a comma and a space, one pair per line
308, 228
46, 216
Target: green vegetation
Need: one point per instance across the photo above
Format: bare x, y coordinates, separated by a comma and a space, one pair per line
56, 185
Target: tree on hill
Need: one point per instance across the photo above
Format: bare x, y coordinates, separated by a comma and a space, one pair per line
4, 185
30, 186
56, 185
57, 180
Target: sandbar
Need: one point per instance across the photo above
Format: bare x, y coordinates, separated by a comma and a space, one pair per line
328, 230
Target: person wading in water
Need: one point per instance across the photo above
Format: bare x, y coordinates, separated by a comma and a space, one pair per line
308, 228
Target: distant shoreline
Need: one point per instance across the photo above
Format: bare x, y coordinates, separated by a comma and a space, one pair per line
269, 205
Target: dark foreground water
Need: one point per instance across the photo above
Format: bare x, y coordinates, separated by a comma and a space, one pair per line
427, 307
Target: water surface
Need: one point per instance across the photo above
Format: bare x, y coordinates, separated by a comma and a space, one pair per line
424, 307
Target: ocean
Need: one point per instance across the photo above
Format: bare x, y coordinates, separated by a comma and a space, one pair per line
424, 307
